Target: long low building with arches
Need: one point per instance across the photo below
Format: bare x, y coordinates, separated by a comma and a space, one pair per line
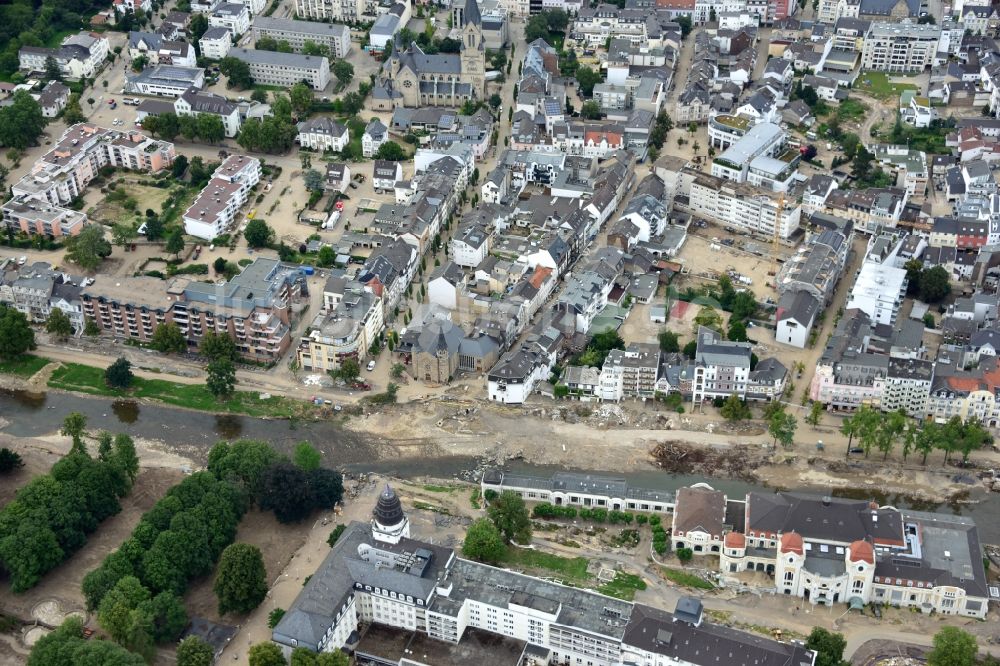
823, 549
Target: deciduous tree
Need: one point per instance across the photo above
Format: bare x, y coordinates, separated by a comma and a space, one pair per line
258, 234
483, 542
953, 647
511, 517
193, 651
828, 645
266, 654
241, 580
58, 324
168, 339
306, 456
16, 336
119, 375
221, 378
88, 248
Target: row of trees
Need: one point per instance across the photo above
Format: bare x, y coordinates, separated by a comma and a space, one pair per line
207, 127
66, 646
178, 539
51, 517
875, 430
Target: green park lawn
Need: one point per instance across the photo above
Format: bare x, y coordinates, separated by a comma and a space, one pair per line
24, 366
88, 379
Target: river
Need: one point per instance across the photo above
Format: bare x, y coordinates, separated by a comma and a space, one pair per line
34, 415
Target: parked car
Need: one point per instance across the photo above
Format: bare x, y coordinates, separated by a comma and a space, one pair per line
371, 365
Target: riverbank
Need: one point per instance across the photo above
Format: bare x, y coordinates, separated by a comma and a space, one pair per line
37, 373
456, 437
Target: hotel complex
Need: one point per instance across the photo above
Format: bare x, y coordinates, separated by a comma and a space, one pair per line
391, 599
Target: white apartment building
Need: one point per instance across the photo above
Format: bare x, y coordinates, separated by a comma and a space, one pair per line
255, 7
470, 246
630, 372
878, 292
231, 15
742, 206
900, 47
215, 209
754, 157
216, 42
721, 367
375, 135
165, 80
284, 69
347, 11
323, 133
81, 55
194, 102
334, 36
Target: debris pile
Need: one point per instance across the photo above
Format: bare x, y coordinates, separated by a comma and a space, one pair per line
735, 462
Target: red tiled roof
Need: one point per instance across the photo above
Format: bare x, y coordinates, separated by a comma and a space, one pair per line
791, 542
735, 540
861, 551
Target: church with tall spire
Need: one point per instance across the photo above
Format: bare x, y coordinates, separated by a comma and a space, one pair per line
413, 78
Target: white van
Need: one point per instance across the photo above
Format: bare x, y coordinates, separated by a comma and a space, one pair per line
371, 365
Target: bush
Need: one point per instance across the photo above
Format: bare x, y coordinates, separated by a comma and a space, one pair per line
685, 555
274, 617
335, 534
546, 510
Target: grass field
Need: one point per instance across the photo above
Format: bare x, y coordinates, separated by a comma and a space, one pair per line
87, 379
685, 579
623, 586
23, 366
877, 84
572, 569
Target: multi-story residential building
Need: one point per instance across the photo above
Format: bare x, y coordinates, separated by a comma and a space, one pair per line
165, 80
470, 245
871, 210
160, 51
37, 216
194, 103
79, 56
514, 377
830, 550
284, 69
392, 596
907, 386
215, 209
385, 175
816, 268
323, 133
630, 372
900, 47
233, 16
721, 367
967, 394
347, 331
347, 11
36, 290
62, 174
759, 157
52, 99
581, 490
335, 37
910, 164
254, 308
375, 135
742, 206
725, 129
878, 291
847, 375
216, 42
795, 316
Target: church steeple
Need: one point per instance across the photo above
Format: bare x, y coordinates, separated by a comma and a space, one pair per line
471, 14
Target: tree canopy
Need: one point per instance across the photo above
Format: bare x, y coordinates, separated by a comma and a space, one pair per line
168, 339
241, 579
119, 374
953, 647
16, 334
22, 122
88, 248
828, 645
510, 515
483, 542
237, 73
258, 234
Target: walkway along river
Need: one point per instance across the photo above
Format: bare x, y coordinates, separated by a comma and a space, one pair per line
34, 415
